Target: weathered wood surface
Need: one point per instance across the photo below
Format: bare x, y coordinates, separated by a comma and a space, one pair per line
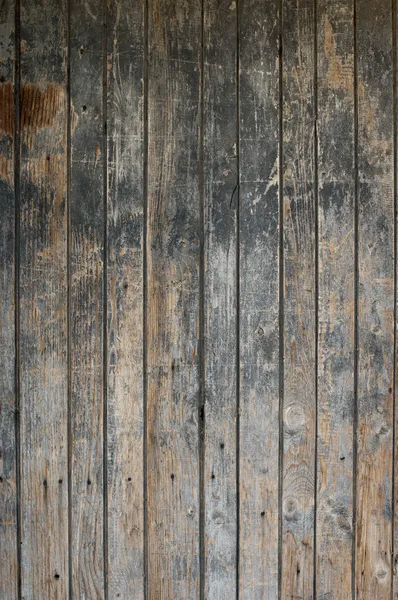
86, 248
375, 300
394, 554
299, 293
259, 297
220, 296
8, 405
125, 255
336, 158
43, 300
173, 251
197, 314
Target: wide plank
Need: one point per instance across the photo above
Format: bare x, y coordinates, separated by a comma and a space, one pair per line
220, 296
336, 201
8, 402
299, 292
259, 114
86, 248
43, 300
375, 300
173, 251
125, 255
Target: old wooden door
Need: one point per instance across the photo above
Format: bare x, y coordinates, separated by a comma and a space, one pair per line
198, 299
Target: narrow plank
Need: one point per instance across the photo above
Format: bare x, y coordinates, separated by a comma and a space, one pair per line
220, 287
259, 297
394, 595
376, 300
8, 468
173, 298
86, 302
43, 305
299, 300
334, 528
125, 299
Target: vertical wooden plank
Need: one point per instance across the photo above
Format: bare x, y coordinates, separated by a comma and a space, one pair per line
299, 300
43, 295
86, 309
259, 293
173, 297
334, 528
220, 287
394, 595
376, 299
125, 298
8, 468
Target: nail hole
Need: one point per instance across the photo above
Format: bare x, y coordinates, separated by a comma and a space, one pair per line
222, 446
56, 576
48, 157
59, 480
263, 513
84, 108
129, 479
342, 457
45, 482
172, 475
213, 476
125, 285
88, 481
390, 390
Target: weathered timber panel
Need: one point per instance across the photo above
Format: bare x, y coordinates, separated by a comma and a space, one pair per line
375, 300
43, 300
8, 400
173, 251
220, 296
125, 256
198, 207
86, 247
299, 294
259, 166
336, 281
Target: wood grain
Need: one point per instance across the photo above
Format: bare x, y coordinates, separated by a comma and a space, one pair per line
207, 276
220, 296
376, 300
43, 301
125, 118
259, 297
173, 298
335, 51
394, 556
86, 302
8, 450
299, 300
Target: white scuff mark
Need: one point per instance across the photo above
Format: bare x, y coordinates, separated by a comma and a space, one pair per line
88, 10
273, 178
